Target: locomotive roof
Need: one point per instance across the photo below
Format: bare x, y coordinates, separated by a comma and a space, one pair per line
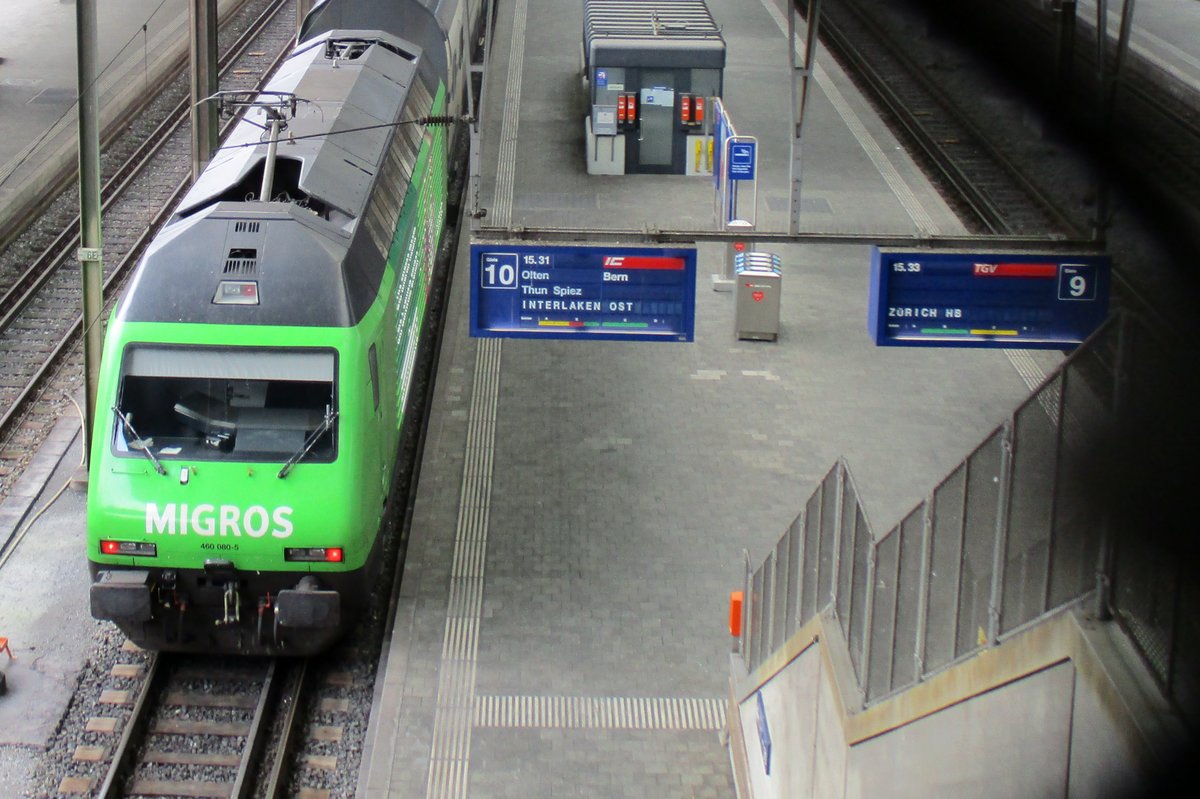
294, 268
337, 99
297, 259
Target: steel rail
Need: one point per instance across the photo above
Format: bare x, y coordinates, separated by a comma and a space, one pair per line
1126, 291
277, 779
1165, 162
125, 754
260, 729
971, 193
120, 271
18, 296
63, 179
1155, 119
128, 754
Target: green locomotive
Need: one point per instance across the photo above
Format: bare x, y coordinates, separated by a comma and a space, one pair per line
255, 372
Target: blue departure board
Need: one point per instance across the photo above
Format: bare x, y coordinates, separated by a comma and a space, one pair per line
976, 299
592, 292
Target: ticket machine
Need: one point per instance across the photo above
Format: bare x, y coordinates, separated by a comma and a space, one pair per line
651, 69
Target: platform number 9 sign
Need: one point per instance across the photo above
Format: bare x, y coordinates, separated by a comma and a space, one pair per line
498, 270
1076, 282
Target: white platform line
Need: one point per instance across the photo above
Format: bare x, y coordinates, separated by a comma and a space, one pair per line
450, 752
599, 712
506, 167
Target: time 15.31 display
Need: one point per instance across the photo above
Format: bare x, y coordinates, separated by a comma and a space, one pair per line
593, 292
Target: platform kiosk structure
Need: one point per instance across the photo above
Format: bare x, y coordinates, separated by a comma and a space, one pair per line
650, 67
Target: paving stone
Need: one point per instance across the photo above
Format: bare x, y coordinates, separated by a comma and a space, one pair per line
627, 479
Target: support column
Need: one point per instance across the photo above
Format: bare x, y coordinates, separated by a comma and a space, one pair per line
801, 74
205, 127
1109, 77
90, 255
1064, 51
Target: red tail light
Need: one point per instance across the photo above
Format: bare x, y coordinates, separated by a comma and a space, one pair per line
135, 548
314, 554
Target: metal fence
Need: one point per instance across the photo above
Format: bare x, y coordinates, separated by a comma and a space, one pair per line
1025, 526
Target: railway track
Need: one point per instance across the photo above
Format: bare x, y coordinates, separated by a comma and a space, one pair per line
996, 194
1153, 137
123, 736
1173, 152
997, 164
40, 327
209, 728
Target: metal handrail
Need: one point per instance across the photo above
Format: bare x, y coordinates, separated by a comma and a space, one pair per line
1006, 540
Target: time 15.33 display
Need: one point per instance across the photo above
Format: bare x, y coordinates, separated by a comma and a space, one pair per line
974, 299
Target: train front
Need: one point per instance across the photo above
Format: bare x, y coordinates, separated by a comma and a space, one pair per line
226, 508
246, 421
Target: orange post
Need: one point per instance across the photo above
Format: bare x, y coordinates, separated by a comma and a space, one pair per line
4, 648
735, 614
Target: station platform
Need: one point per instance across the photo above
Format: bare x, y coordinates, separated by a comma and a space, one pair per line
585, 508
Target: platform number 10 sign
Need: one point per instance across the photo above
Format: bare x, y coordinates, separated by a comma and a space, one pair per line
1077, 282
498, 270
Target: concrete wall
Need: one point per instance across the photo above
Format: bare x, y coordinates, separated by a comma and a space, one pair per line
1064, 712
1013, 741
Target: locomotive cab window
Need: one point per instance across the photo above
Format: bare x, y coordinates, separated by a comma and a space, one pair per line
227, 403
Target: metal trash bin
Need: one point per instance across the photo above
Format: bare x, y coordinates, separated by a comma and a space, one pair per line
758, 276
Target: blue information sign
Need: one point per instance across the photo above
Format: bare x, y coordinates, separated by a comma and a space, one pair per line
764, 733
595, 292
742, 157
974, 299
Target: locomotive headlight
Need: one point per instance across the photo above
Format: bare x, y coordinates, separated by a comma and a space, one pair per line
135, 548
314, 554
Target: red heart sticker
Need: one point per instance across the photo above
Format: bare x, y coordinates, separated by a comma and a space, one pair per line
758, 296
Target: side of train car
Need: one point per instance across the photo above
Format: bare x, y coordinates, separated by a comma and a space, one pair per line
255, 372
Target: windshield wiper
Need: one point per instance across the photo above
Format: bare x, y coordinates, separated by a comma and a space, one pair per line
137, 442
324, 426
